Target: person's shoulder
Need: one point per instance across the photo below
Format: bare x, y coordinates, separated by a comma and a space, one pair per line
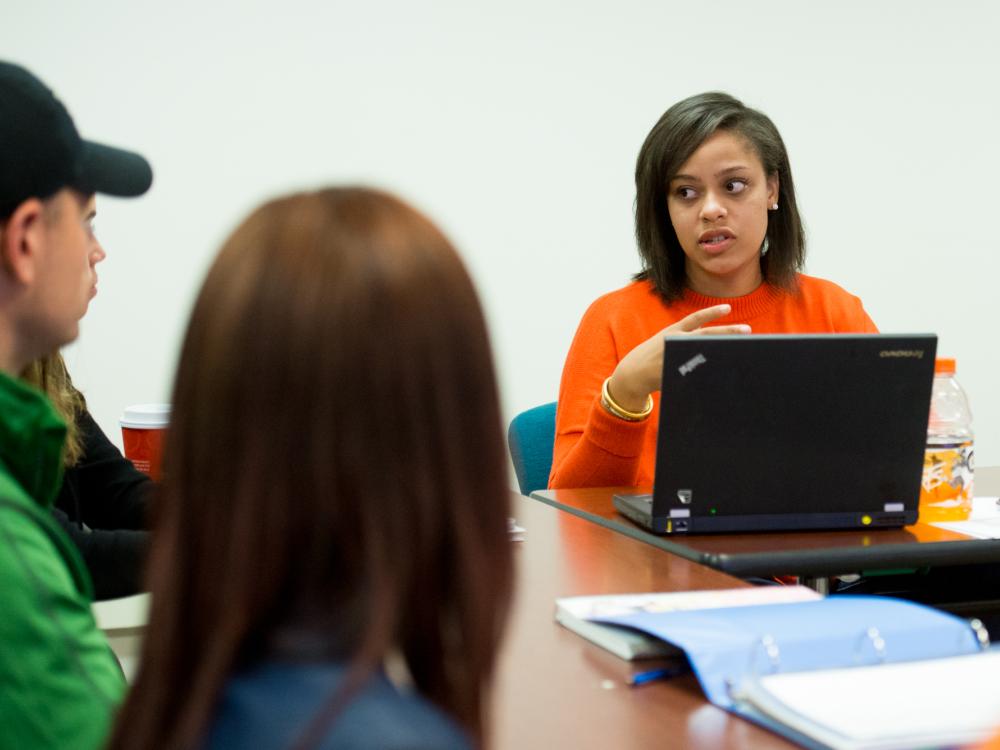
27, 532
641, 291
636, 297
383, 717
37, 561
41, 573
813, 287
822, 306
272, 703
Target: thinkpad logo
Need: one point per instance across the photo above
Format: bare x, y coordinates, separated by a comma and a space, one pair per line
698, 359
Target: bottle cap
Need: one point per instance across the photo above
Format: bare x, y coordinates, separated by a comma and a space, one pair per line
944, 366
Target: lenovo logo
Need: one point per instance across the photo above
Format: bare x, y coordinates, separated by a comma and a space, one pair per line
906, 353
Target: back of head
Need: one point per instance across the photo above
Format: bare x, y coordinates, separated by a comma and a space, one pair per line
334, 465
672, 141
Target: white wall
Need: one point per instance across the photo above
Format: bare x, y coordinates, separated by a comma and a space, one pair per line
516, 127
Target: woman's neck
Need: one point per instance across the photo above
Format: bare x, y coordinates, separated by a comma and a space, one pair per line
727, 286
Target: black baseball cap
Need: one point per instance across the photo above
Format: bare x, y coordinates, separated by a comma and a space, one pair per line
41, 151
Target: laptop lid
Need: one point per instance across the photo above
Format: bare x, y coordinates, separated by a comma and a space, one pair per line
769, 432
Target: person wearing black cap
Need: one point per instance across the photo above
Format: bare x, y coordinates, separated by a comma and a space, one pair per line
59, 682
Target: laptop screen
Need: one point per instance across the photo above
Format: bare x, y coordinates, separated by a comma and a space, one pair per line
788, 424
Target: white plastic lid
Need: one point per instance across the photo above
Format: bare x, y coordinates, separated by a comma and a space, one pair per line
146, 416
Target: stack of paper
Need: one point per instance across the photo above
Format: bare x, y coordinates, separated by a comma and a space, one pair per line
983, 523
516, 532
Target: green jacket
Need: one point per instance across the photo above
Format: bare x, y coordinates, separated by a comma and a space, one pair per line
59, 682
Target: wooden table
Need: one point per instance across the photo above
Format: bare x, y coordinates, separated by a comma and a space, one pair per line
810, 554
557, 690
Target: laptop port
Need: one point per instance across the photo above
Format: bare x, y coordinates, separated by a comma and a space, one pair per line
680, 525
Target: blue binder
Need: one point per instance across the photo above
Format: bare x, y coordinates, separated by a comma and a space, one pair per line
729, 647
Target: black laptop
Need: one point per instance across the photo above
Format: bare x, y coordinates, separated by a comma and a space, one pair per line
780, 432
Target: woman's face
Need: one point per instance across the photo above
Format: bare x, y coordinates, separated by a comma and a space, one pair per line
718, 204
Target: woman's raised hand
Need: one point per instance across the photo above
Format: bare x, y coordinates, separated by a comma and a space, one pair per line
640, 371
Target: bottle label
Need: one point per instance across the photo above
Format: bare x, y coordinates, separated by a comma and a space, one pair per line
946, 485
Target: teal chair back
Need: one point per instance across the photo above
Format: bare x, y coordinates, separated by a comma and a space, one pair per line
530, 438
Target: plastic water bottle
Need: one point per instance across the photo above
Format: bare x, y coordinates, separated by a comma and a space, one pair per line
946, 486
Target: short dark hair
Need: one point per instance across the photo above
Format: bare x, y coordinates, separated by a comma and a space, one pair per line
671, 142
334, 465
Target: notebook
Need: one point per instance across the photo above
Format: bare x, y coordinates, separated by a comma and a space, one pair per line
783, 432
577, 613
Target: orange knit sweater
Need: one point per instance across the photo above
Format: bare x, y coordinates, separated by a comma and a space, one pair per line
593, 448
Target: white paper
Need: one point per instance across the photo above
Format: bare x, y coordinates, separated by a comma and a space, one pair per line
120, 614
515, 531
983, 523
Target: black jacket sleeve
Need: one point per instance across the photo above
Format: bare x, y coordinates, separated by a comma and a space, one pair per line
102, 505
104, 490
113, 558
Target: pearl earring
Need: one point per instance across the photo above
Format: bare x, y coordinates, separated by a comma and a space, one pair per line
774, 206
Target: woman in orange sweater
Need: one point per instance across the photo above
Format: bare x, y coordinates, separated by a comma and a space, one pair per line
722, 245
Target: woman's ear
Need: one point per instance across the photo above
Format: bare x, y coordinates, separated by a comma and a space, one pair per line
20, 238
772, 189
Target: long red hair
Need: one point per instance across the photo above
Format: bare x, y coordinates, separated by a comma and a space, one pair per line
335, 461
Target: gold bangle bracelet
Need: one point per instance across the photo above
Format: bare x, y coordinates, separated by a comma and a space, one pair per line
629, 416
